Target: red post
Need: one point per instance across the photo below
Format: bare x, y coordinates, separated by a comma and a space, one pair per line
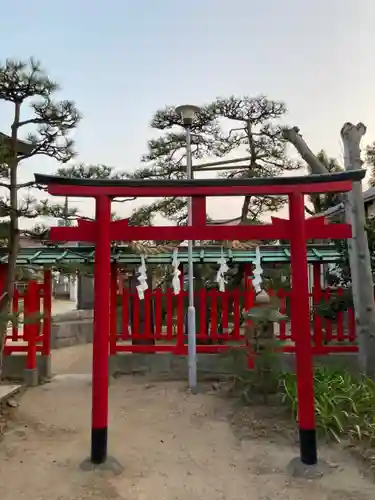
300, 316
113, 332
47, 312
213, 294
169, 312
180, 342
158, 295
125, 312
202, 327
31, 309
224, 296
102, 304
236, 314
199, 210
15, 311
180, 298
3, 277
135, 318
317, 297
147, 307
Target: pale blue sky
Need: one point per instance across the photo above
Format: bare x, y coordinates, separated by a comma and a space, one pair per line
120, 60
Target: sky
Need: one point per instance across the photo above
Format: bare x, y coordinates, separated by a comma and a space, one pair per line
121, 60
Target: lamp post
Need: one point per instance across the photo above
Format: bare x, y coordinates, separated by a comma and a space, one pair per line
187, 113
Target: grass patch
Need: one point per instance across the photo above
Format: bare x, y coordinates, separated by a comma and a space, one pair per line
344, 404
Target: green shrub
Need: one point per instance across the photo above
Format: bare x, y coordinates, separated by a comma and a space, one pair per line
344, 404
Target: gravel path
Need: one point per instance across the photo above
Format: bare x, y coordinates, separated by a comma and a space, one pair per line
173, 446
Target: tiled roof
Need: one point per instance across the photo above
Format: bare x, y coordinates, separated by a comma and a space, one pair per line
55, 256
368, 196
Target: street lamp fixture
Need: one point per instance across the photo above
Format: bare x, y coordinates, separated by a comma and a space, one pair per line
188, 112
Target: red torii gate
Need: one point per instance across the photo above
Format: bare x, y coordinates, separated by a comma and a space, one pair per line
297, 229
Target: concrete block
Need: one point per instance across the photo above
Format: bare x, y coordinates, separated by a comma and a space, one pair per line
72, 332
179, 366
15, 364
346, 361
167, 364
208, 365
159, 363
112, 365
30, 377
45, 369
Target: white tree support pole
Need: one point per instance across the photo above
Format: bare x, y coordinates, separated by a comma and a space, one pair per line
293, 136
359, 254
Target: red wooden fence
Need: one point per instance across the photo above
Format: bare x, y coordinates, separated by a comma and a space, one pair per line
158, 323
31, 335
218, 322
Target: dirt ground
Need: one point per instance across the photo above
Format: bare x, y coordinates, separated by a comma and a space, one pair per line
172, 445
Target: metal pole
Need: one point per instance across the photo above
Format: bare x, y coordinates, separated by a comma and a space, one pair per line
192, 345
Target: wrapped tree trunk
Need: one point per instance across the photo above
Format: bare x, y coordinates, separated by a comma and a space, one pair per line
359, 254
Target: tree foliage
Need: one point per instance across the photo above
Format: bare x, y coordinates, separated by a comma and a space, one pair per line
227, 126
96, 171
370, 162
83, 171
254, 127
166, 157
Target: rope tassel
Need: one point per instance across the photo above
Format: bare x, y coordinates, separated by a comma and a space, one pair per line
176, 284
223, 269
142, 279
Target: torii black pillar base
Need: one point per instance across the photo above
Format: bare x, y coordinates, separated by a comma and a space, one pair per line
110, 465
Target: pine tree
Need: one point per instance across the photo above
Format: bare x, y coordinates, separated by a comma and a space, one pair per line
254, 127
82, 171
166, 158
234, 125
43, 132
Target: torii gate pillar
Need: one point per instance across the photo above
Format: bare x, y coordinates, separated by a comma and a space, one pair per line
300, 322
102, 306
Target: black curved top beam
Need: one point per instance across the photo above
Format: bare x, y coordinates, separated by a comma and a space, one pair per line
351, 175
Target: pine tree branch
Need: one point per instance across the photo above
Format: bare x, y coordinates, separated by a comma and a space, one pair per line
34, 121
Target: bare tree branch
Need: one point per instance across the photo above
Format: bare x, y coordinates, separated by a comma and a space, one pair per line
293, 136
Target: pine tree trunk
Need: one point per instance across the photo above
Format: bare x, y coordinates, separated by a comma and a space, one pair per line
13, 239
